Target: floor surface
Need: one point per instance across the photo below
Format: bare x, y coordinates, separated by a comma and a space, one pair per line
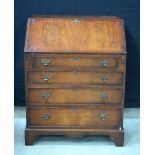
90, 145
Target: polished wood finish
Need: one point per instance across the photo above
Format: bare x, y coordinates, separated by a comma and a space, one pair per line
76, 61
75, 77
66, 61
75, 117
74, 95
78, 35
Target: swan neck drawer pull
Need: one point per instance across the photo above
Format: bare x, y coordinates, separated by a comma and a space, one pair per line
104, 96
104, 78
46, 96
104, 63
46, 77
45, 61
46, 116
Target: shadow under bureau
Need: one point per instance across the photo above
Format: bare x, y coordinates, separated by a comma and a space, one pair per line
75, 77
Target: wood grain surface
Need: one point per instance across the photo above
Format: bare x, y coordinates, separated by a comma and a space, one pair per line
75, 35
63, 117
75, 77
74, 96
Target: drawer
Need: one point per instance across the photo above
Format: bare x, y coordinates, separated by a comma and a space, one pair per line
74, 77
48, 61
49, 96
63, 117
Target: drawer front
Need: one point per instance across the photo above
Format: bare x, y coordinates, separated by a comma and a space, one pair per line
39, 96
74, 76
63, 117
75, 61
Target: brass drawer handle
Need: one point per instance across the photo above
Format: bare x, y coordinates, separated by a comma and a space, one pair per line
104, 63
45, 61
46, 116
104, 96
103, 116
46, 96
46, 77
75, 59
104, 78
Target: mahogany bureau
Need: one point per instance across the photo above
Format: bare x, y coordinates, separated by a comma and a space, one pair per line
75, 77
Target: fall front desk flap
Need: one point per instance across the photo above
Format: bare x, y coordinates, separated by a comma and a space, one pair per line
75, 34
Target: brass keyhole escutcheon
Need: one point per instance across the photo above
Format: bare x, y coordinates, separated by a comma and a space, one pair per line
75, 59
104, 78
103, 116
76, 89
76, 73
76, 21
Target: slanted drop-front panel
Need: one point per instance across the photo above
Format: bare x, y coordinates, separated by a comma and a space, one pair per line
91, 35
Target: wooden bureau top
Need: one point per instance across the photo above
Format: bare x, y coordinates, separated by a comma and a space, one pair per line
75, 35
